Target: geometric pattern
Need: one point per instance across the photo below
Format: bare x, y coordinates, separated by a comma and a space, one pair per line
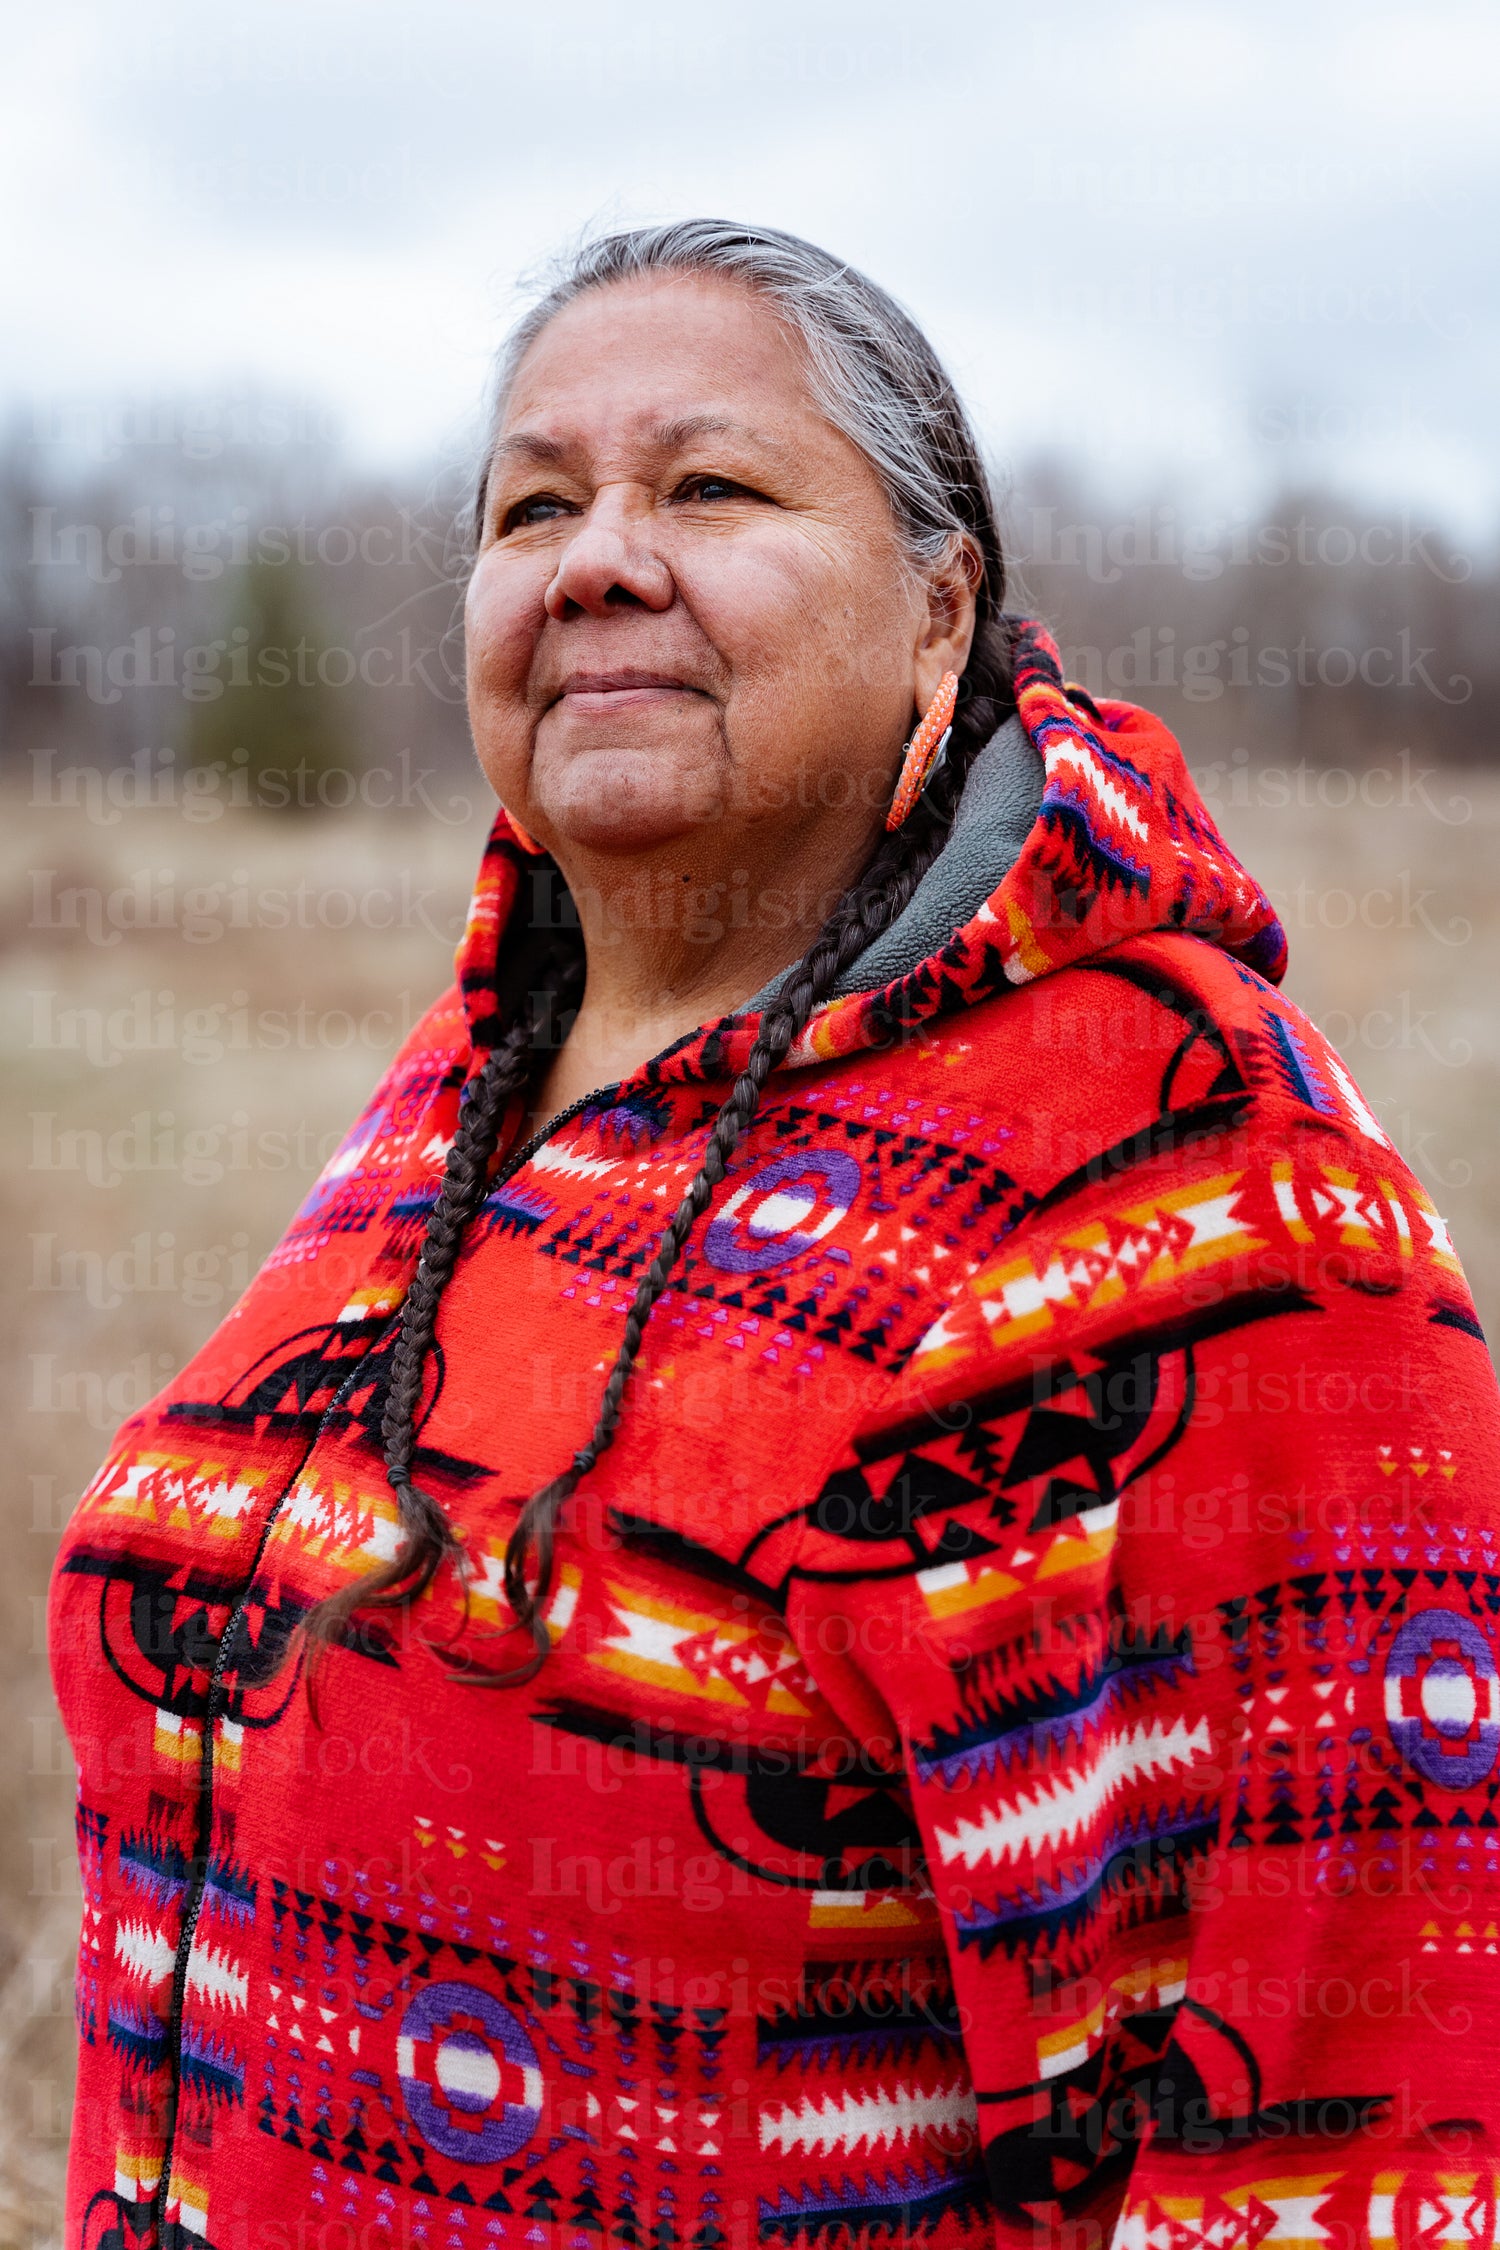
1018, 1754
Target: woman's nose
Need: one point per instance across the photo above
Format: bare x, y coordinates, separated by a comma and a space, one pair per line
609, 563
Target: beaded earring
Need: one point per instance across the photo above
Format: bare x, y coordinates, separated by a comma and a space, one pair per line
924, 749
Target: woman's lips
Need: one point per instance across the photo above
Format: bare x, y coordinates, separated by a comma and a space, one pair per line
605, 692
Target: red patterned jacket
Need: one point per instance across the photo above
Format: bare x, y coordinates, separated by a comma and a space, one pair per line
1018, 1756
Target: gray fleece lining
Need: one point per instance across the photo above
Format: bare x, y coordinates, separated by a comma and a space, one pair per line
995, 814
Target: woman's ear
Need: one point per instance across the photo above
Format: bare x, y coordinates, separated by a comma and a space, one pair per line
945, 632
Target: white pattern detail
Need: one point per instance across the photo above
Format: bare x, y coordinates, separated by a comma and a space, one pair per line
1109, 793
849, 2121
1296, 2218
1364, 1117
223, 1499
305, 1507
779, 1212
653, 1639
144, 1951
939, 1337
385, 1538
214, 1977
550, 1158
1212, 1219
1059, 1813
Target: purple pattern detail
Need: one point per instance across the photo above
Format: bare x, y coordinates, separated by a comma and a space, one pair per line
463, 2059
1442, 1698
786, 1209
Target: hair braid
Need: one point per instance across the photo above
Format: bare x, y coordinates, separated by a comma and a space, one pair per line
864, 911
427, 1536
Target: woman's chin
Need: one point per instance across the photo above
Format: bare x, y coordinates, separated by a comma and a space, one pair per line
629, 801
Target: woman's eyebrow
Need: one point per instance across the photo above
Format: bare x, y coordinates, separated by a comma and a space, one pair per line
682, 429
664, 437
530, 445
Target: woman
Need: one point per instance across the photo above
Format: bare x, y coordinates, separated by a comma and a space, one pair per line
834, 1587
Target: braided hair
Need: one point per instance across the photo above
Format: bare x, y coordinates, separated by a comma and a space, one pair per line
877, 377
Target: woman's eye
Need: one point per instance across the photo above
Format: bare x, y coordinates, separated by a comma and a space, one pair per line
713, 488
537, 507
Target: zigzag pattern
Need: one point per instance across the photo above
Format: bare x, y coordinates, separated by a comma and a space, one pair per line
143, 1952
1045, 1718
153, 1865
911, 2199
1113, 802
849, 2121
1142, 1853
874, 2027
1080, 867
1298, 1072
1056, 1816
137, 2035
210, 2065
229, 1893
214, 1977
516, 1210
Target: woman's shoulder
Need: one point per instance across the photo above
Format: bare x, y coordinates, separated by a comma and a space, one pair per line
1168, 1032
439, 1040
335, 1275
1186, 1145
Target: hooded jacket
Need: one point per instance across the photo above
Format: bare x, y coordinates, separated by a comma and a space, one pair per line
1018, 1749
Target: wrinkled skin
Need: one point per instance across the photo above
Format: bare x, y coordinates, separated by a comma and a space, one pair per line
695, 648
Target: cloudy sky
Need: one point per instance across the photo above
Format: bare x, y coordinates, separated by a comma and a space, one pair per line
1208, 246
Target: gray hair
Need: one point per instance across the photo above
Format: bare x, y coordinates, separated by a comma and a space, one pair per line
874, 375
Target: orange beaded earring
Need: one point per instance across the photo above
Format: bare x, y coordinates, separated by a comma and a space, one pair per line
924, 749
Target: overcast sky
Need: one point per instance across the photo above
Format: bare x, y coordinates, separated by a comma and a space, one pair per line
1201, 245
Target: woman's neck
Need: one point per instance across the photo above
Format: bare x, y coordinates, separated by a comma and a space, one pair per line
671, 946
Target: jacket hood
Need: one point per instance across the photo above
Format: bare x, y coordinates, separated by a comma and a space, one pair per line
1079, 827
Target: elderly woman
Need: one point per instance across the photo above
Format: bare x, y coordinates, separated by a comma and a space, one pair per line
834, 1588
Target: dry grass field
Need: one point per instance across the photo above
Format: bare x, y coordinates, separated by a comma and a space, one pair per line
196, 1007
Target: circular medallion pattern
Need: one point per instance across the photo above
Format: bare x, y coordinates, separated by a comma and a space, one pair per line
1442, 1698
784, 1210
469, 2074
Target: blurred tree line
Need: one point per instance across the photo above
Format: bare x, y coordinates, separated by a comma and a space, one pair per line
1314, 630
227, 591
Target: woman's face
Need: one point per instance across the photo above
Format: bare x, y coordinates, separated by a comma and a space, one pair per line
690, 611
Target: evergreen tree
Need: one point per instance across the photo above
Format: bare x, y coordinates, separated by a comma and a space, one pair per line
278, 716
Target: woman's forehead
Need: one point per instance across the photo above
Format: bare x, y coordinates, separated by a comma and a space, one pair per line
682, 354
537, 446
